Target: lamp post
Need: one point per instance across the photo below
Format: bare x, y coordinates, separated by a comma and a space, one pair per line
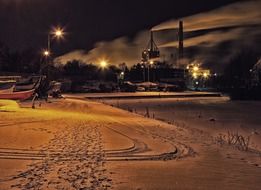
56, 33
143, 72
150, 63
103, 65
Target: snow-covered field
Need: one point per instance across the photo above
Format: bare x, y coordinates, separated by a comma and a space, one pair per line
80, 144
211, 114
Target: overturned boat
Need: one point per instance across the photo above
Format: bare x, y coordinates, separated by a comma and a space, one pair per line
10, 90
22, 95
28, 83
7, 86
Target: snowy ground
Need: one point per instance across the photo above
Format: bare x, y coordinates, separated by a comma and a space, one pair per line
135, 95
79, 144
214, 115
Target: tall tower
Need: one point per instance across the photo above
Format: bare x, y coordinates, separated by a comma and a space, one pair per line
181, 38
152, 51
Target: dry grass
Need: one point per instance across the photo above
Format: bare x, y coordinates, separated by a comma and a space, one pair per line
234, 139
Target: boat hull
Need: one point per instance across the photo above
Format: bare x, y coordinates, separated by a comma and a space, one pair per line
9, 90
7, 86
24, 87
23, 95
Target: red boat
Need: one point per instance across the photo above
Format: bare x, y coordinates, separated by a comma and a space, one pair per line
7, 86
22, 95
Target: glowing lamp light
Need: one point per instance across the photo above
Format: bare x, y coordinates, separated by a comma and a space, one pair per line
195, 68
205, 75
58, 32
103, 63
46, 53
195, 75
151, 62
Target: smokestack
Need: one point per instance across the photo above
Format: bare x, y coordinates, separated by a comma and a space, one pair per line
180, 37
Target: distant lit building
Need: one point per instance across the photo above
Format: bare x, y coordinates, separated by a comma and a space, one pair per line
151, 52
197, 77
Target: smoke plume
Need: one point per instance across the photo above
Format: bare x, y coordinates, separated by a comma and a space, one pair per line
210, 37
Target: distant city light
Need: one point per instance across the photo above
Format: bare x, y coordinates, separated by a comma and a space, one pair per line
205, 75
195, 75
195, 68
122, 75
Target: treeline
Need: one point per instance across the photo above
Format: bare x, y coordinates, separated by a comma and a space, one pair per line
32, 62
76, 69
27, 61
241, 79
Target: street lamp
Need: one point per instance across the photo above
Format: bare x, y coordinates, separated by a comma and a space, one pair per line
103, 64
57, 33
195, 75
195, 68
205, 75
150, 63
121, 77
46, 53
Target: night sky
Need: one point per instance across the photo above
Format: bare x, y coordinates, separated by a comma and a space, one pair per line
25, 23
